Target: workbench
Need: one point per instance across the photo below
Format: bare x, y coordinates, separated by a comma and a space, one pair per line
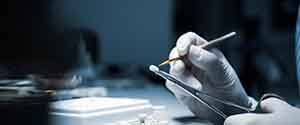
159, 95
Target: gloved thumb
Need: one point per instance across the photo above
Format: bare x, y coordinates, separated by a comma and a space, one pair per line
272, 105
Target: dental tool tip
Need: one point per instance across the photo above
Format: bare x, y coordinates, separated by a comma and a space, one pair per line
153, 68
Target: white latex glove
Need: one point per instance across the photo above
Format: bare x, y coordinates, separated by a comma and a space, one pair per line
208, 71
278, 113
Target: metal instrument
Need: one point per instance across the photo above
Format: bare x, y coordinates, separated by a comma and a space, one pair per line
198, 95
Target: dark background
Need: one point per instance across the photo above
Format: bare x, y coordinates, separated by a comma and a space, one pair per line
62, 36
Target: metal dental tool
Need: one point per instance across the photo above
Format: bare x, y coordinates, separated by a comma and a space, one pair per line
207, 45
197, 94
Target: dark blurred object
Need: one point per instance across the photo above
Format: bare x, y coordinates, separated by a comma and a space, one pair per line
35, 45
207, 18
92, 44
191, 120
283, 14
116, 71
269, 41
22, 106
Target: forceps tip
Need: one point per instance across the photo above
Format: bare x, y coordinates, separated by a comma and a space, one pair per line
153, 68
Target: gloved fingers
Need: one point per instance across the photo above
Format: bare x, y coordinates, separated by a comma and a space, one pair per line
179, 66
215, 66
202, 59
219, 54
246, 119
175, 70
272, 105
186, 40
178, 69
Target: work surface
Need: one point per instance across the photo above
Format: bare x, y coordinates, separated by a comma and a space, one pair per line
180, 115
158, 95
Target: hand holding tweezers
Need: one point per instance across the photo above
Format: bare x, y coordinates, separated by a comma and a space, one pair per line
199, 94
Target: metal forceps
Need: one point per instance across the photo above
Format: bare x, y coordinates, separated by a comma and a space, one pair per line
197, 95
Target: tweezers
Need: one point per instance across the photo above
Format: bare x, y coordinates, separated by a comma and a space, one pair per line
196, 94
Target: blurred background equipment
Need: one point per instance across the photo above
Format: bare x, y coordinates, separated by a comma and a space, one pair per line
87, 37
23, 105
110, 44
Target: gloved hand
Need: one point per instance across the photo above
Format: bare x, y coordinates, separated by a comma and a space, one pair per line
206, 70
277, 111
